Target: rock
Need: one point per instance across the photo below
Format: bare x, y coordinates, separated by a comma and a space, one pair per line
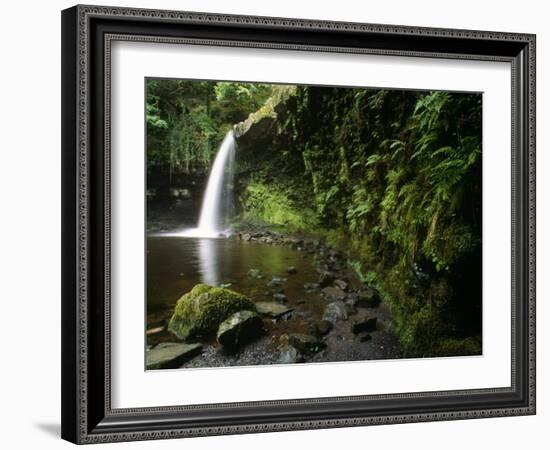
280, 297
368, 298
225, 285
365, 337
170, 355
155, 330
335, 311
341, 284
239, 328
291, 270
276, 282
367, 324
255, 273
311, 286
246, 237
326, 278
305, 343
334, 293
321, 328
290, 355
199, 312
272, 309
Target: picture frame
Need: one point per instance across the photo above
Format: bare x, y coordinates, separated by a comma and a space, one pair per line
87, 35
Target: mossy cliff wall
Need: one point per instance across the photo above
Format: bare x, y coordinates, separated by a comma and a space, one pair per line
393, 178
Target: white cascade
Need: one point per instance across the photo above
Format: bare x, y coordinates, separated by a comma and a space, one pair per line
211, 221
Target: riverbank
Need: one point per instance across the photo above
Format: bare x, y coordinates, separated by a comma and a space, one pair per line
313, 306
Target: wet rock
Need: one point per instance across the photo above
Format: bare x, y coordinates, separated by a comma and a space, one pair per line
368, 298
280, 297
239, 328
199, 312
305, 343
334, 293
335, 311
155, 330
341, 284
326, 278
255, 273
246, 237
272, 309
276, 282
170, 355
365, 337
291, 270
366, 324
321, 328
290, 355
311, 286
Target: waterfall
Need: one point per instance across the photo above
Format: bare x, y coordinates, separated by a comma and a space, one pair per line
212, 221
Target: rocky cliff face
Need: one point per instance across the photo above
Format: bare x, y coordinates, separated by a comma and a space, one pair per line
393, 178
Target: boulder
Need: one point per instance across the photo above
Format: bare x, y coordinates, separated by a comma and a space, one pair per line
171, 355
291, 270
276, 282
311, 286
366, 324
341, 284
335, 311
280, 297
368, 298
290, 355
199, 312
326, 278
246, 237
334, 293
240, 328
365, 337
305, 343
255, 273
272, 309
321, 328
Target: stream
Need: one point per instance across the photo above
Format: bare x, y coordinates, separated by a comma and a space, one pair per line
176, 264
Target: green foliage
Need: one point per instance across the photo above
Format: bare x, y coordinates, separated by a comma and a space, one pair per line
187, 120
275, 205
394, 177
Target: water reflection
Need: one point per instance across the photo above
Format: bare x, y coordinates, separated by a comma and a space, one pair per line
207, 252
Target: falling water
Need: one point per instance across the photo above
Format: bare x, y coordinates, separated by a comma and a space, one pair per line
211, 221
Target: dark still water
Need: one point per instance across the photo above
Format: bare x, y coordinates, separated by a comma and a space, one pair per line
176, 264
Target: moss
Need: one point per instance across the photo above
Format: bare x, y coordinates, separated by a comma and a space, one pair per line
393, 179
273, 204
469, 346
199, 312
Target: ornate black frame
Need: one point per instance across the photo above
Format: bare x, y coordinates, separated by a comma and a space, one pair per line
87, 32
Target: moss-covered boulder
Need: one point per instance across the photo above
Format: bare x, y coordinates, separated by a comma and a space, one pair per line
199, 312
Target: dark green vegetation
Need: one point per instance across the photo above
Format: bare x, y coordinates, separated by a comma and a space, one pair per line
187, 120
390, 177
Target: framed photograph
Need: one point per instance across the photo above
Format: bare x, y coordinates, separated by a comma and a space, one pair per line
281, 224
